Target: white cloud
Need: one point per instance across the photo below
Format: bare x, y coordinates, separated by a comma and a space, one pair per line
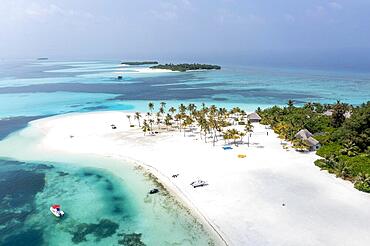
335, 5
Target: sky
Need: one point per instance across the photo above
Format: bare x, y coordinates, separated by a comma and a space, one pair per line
273, 32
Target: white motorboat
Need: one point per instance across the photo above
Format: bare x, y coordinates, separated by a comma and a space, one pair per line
55, 209
198, 183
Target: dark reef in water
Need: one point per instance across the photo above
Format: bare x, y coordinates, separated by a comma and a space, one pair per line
87, 174
100, 107
105, 228
19, 184
220, 99
133, 239
109, 186
62, 174
17, 188
26, 238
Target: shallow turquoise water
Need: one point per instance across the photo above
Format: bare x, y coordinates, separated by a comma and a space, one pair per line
106, 201
54, 87
101, 208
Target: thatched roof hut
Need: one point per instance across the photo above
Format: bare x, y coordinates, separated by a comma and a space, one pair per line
254, 117
307, 136
303, 134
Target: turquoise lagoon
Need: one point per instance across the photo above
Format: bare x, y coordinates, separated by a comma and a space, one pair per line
106, 200
55, 87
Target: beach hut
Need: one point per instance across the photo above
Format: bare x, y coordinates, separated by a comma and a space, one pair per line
303, 134
254, 117
307, 136
313, 143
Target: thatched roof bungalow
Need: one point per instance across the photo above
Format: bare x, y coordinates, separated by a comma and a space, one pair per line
307, 136
254, 117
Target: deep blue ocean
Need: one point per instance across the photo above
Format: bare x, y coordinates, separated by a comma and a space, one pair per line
122, 214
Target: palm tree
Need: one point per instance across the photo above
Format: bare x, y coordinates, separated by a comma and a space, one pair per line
161, 110
158, 122
283, 130
182, 108
309, 105
241, 135
248, 129
234, 134
178, 118
192, 108
145, 127
151, 121
290, 103
172, 110
187, 122
151, 106
129, 119
163, 105
137, 117
167, 120
213, 124
204, 126
226, 136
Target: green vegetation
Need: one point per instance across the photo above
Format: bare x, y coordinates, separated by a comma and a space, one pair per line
345, 140
185, 67
211, 123
137, 63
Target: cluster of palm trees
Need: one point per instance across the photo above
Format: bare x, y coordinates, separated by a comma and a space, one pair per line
211, 122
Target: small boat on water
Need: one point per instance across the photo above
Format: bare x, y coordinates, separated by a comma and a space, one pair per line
55, 209
153, 191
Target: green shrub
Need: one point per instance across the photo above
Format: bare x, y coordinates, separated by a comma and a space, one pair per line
329, 149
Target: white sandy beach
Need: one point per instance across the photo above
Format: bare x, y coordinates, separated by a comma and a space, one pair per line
271, 197
141, 70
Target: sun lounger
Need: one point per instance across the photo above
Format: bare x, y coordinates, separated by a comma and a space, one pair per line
227, 147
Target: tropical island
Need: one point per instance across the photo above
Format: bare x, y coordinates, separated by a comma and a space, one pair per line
137, 63
253, 166
183, 67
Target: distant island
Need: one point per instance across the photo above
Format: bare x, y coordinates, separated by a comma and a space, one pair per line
185, 67
140, 63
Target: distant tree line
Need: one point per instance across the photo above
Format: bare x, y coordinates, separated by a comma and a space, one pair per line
186, 66
136, 63
345, 140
